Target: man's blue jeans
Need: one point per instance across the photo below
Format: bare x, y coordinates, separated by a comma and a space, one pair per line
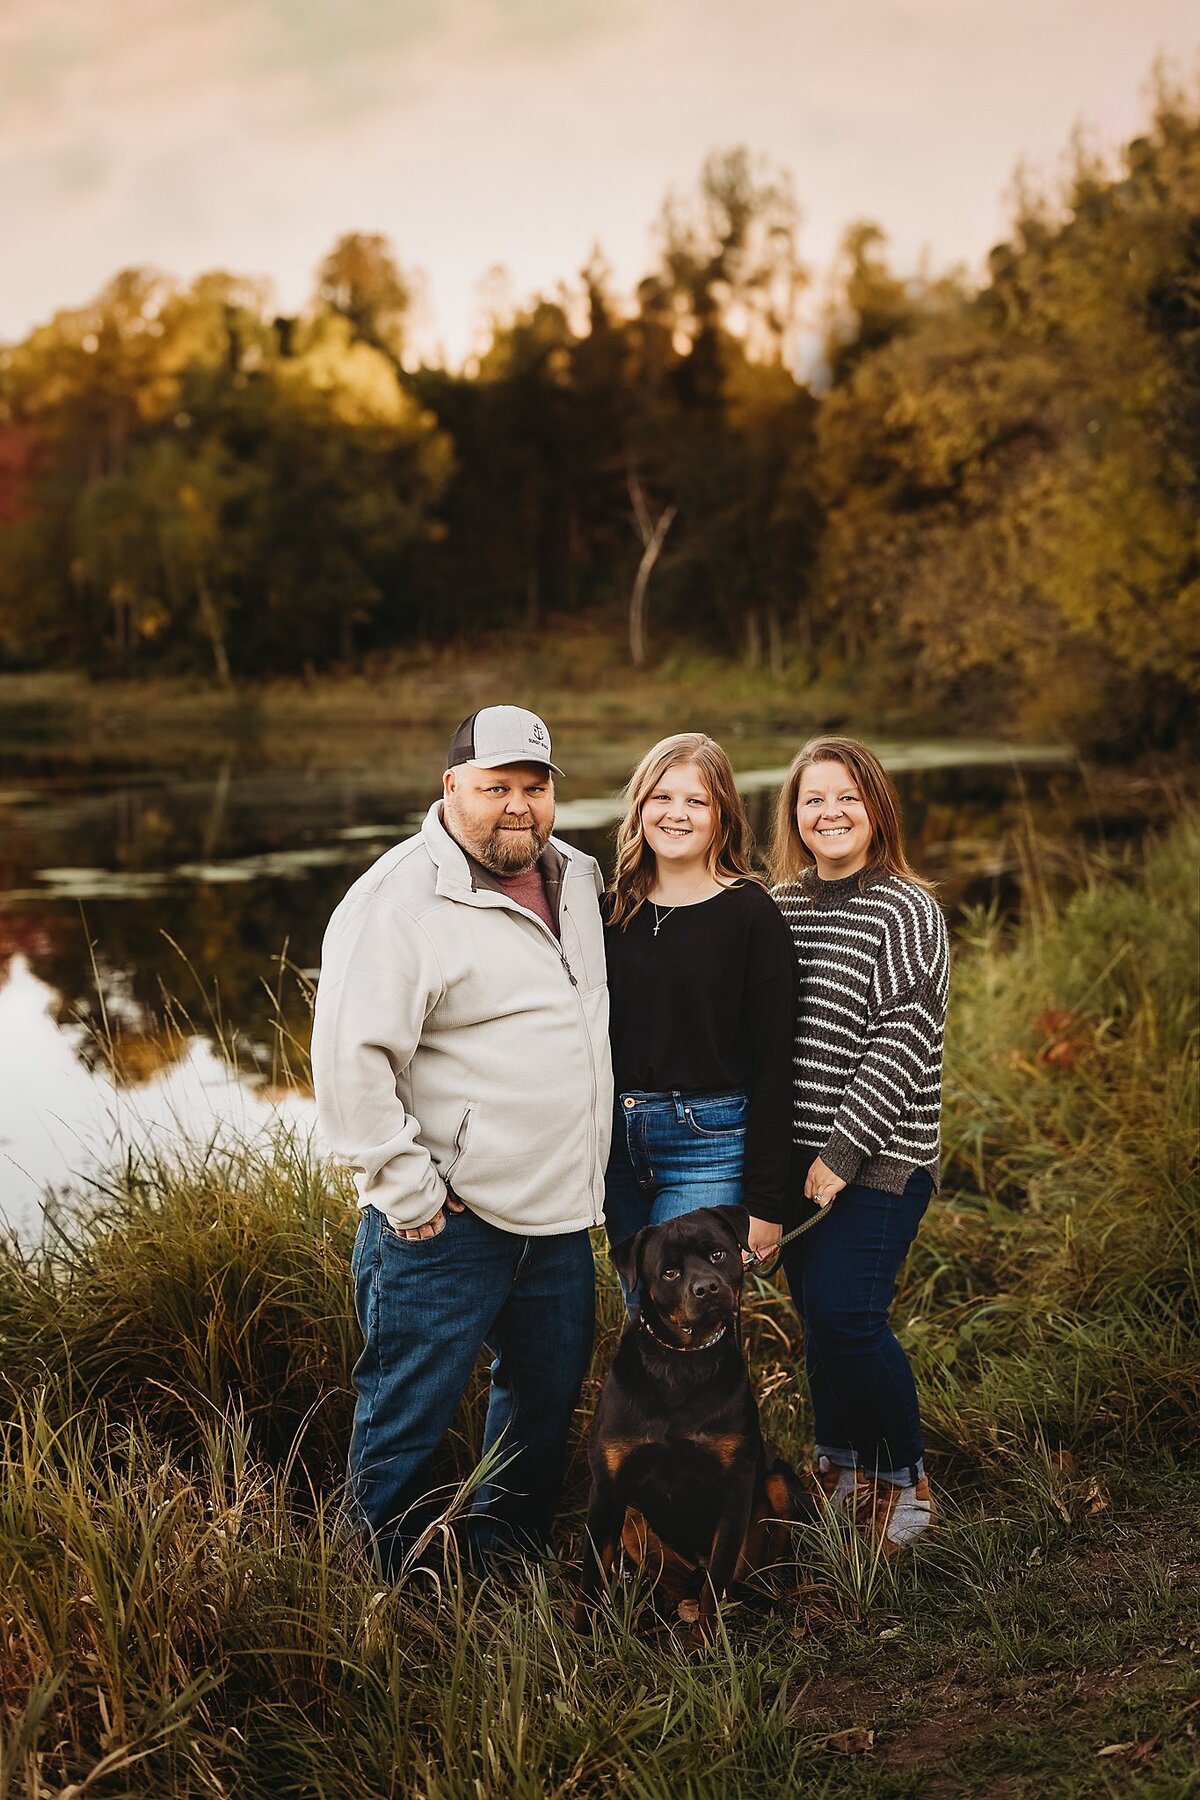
672, 1153
842, 1275
427, 1307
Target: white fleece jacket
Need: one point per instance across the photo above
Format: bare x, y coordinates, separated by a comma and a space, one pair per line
455, 1040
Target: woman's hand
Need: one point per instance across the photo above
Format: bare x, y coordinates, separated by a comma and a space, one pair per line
822, 1185
764, 1237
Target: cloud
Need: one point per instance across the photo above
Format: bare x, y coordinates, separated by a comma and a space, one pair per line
248, 134
290, 62
338, 57
545, 24
81, 165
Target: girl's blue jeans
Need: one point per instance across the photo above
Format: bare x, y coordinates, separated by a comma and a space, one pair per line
842, 1275
672, 1153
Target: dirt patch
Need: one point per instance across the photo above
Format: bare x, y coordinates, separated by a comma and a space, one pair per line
956, 1714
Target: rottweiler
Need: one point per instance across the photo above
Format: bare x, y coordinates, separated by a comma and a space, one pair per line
680, 1474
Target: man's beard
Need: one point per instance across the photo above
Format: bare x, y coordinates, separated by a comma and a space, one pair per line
499, 848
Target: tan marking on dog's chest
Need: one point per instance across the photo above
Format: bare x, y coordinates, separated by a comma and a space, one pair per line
616, 1450
726, 1446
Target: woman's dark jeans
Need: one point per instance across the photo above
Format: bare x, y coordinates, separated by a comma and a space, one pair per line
842, 1275
672, 1153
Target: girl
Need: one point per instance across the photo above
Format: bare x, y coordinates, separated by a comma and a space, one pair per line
700, 982
872, 965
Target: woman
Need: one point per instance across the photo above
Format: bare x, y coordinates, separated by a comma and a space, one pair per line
700, 983
872, 965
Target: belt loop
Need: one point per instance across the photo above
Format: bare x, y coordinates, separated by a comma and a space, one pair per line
677, 1097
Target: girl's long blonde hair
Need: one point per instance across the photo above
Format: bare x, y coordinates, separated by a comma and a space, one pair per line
790, 856
729, 852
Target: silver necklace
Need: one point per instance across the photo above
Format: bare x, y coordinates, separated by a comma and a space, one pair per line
660, 919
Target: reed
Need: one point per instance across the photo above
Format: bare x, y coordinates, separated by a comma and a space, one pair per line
183, 1611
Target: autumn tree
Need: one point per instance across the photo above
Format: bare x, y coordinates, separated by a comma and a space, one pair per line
361, 280
1012, 489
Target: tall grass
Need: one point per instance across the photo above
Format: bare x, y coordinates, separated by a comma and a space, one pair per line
1057, 1286
183, 1611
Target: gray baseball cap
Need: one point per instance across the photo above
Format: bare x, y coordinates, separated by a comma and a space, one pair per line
495, 736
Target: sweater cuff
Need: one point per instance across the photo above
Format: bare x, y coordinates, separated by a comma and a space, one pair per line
772, 1211
843, 1157
399, 1212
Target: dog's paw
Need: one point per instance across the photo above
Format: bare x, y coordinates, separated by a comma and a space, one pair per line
699, 1629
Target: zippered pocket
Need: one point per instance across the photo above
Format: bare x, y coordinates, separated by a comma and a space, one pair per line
460, 1141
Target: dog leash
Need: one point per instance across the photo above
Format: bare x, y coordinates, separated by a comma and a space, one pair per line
760, 1263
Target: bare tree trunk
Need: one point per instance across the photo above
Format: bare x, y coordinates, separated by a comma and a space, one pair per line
653, 534
533, 576
753, 636
574, 554
774, 639
211, 622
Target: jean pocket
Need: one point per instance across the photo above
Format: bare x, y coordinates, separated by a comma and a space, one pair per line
717, 1118
422, 1246
360, 1238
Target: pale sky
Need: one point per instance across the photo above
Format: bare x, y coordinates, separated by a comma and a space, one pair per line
249, 134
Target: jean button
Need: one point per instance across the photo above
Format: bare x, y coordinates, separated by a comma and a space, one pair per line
630, 1103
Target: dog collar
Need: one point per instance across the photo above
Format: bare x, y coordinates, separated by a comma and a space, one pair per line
684, 1349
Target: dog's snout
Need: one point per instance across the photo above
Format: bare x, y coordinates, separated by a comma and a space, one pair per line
705, 1286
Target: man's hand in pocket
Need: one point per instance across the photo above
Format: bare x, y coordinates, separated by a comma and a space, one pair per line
435, 1226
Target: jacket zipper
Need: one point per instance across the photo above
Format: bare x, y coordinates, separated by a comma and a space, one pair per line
513, 906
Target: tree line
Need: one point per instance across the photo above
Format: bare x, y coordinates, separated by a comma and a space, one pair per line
980, 497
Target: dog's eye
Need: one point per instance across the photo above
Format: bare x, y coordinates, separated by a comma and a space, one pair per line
716, 1256
670, 1274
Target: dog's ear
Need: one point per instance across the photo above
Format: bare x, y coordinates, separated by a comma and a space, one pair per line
625, 1259
738, 1220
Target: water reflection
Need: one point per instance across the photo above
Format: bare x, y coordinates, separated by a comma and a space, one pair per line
157, 934
63, 1113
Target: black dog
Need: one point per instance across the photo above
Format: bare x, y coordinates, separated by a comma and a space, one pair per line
680, 1474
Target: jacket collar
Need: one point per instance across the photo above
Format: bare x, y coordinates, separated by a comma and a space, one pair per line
459, 877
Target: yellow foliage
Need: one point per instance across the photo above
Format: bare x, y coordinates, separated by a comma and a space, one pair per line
352, 382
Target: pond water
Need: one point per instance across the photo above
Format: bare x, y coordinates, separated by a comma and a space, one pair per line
160, 932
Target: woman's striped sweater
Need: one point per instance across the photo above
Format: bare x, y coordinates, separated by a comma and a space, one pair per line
873, 967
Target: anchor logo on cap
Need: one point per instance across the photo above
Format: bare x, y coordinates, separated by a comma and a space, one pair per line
537, 735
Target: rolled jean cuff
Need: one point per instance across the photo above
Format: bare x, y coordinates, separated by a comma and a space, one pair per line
907, 1475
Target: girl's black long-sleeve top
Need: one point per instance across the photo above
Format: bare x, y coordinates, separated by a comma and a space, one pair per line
707, 1005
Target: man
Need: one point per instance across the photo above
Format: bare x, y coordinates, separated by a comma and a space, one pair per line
461, 1065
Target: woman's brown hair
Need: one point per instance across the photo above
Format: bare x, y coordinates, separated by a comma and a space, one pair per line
729, 852
790, 856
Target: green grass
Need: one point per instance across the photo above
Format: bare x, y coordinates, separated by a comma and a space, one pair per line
182, 1612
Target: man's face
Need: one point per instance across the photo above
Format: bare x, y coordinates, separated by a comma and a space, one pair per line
502, 816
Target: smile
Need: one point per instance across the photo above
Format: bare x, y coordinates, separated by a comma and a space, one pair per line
832, 830
676, 830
